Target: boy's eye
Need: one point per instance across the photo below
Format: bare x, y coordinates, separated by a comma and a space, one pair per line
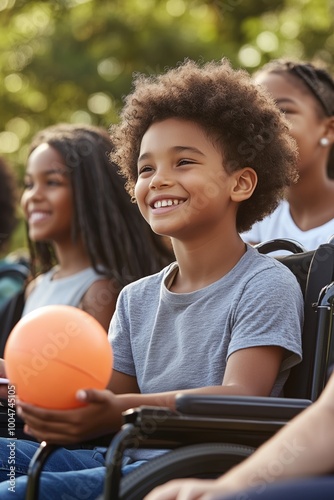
184, 161
27, 185
145, 168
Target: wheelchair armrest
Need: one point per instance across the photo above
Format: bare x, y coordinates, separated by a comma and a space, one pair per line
240, 406
205, 418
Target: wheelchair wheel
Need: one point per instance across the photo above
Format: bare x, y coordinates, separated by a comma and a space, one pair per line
206, 461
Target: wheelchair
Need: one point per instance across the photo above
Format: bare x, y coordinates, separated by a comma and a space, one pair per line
207, 435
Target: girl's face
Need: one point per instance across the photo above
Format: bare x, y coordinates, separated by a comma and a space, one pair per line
47, 200
183, 190
302, 111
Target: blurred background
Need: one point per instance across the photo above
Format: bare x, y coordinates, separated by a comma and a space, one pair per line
73, 60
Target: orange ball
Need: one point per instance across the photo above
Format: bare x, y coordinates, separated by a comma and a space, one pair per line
54, 351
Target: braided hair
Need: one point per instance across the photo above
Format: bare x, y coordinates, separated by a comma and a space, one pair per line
317, 80
117, 239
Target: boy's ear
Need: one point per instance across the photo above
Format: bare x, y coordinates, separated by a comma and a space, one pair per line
245, 183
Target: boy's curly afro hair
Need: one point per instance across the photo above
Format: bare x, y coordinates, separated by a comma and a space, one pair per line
237, 114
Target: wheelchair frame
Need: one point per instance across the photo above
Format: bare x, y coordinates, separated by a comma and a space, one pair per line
237, 424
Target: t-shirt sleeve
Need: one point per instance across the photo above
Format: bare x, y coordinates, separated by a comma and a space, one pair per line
119, 337
270, 312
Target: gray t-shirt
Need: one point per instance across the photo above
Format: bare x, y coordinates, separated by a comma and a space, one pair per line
174, 341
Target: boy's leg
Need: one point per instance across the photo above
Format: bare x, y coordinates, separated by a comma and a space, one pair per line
67, 474
15, 455
71, 485
18, 454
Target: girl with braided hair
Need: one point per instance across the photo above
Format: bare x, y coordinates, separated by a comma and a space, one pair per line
305, 94
87, 240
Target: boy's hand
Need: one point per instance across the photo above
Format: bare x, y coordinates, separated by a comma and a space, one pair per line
101, 415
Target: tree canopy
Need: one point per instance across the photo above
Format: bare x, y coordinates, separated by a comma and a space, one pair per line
73, 60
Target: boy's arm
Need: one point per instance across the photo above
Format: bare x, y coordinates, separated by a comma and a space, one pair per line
121, 383
302, 448
249, 371
253, 371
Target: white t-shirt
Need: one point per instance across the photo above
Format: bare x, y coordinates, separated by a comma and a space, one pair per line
281, 225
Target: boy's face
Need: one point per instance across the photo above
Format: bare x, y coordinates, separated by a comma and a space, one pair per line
182, 188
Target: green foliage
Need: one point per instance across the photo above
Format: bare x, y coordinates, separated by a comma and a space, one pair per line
73, 60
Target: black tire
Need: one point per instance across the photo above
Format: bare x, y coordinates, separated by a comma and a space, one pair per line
200, 461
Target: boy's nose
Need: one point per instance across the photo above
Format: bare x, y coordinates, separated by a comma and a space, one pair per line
160, 179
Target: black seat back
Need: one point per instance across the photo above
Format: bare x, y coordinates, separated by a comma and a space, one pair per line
314, 270
307, 379
11, 310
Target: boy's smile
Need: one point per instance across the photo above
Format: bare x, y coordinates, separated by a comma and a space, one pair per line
182, 184
162, 204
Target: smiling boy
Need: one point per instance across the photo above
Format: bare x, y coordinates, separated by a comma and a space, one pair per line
222, 319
